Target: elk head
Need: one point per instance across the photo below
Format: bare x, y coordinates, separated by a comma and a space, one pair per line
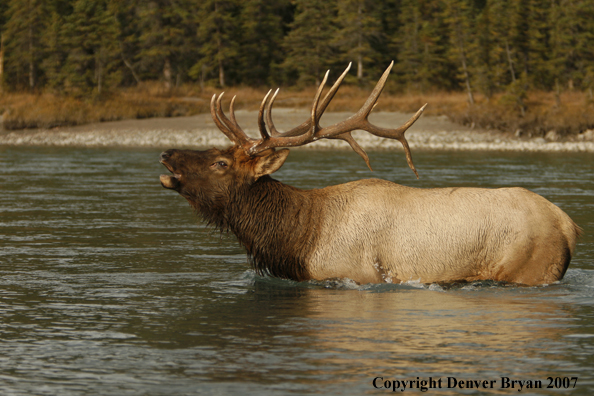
206, 178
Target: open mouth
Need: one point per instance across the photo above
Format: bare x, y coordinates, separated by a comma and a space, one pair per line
169, 181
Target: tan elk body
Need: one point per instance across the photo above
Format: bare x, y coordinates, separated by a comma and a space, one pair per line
370, 231
378, 231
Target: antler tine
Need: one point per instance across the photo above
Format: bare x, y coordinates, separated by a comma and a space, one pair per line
398, 134
290, 141
261, 123
409, 159
232, 110
304, 127
359, 121
239, 136
273, 130
217, 121
330, 95
374, 96
367, 107
347, 137
314, 108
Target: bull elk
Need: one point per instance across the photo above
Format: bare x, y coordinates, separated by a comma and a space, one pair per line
370, 231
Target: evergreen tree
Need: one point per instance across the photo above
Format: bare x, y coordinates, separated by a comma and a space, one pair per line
359, 26
130, 26
166, 39
458, 16
3, 15
3, 12
408, 43
560, 45
520, 30
583, 73
54, 45
308, 44
486, 50
505, 68
572, 36
384, 46
539, 44
92, 34
422, 41
262, 31
218, 37
483, 45
21, 40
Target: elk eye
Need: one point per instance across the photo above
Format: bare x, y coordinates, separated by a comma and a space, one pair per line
220, 164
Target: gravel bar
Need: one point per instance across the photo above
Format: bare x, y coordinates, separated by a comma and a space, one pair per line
433, 133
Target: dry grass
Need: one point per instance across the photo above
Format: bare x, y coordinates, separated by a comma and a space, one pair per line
575, 112
571, 114
49, 110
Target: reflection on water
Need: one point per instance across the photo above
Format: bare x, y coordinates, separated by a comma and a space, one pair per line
110, 286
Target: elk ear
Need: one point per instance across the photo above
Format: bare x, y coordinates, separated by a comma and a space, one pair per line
269, 162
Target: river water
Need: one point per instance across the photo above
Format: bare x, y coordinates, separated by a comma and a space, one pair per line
109, 285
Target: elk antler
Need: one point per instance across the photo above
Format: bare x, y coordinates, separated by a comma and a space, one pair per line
310, 130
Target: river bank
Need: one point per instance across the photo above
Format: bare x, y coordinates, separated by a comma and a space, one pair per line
199, 131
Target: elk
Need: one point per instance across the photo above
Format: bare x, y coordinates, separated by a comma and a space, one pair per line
372, 230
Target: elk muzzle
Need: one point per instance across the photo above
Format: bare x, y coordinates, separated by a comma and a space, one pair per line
169, 181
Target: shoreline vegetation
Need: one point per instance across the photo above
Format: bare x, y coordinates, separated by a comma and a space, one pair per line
523, 68
555, 117
182, 120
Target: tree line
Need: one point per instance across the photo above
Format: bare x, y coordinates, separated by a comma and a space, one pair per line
83, 47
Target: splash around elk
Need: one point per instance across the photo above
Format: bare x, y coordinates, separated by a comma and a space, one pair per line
370, 231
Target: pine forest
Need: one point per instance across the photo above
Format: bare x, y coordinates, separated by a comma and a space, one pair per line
481, 50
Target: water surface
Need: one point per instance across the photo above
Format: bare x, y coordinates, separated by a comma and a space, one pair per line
109, 285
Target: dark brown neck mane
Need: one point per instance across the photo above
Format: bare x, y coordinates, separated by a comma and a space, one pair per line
270, 220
